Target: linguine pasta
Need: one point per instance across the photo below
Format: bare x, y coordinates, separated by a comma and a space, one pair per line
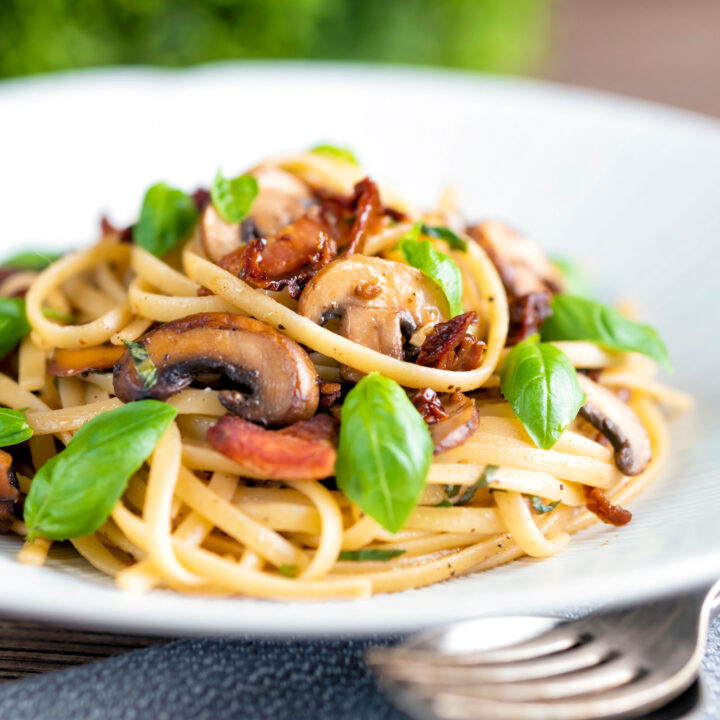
234, 498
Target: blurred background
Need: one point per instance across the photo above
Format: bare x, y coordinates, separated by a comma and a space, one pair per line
664, 50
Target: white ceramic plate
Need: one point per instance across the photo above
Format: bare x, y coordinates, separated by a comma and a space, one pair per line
630, 189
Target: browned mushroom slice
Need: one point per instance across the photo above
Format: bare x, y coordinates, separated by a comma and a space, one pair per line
66, 363
461, 422
522, 265
618, 423
9, 491
277, 382
303, 451
377, 301
282, 199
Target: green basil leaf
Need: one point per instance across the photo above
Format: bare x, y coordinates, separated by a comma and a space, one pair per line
31, 260
575, 280
13, 427
481, 482
288, 570
444, 233
540, 383
577, 318
54, 314
439, 267
143, 363
540, 506
336, 152
444, 503
74, 493
384, 451
166, 217
233, 198
369, 554
13, 324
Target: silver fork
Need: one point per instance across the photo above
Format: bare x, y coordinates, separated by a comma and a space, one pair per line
617, 663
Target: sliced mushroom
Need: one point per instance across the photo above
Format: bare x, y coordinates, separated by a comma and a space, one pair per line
66, 363
282, 199
303, 451
461, 422
522, 265
9, 491
277, 381
618, 423
378, 302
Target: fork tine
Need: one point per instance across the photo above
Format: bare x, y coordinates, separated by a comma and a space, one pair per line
579, 657
599, 678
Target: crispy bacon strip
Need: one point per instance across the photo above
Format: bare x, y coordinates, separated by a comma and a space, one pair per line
598, 504
527, 314
448, 346
107, 229
9, 491
427, 403
368, 214
66, 363
330, 393
303, 451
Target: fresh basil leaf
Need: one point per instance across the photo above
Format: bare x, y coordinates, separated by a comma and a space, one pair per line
444, 503
481, 482
13, 427
540, 506
13, 324
575, 280
288, 570
577, 318
74, 493
54, 314
441, 232
143, 363
540, 383
166, 217
439, 267
32, 260
384, 451
336, 152
233, 198
369, 554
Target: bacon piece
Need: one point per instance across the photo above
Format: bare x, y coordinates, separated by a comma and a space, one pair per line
9, 491
527, 314
368, 214
303, 451
598, 504
201, 198
427, 403
66, 363
329, 394
107, 229
448, 346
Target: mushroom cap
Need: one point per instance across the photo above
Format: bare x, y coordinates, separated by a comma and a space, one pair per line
620, 425
276, 378
375, 285
376, 300
282, 199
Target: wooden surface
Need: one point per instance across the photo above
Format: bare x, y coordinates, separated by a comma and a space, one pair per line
28, 649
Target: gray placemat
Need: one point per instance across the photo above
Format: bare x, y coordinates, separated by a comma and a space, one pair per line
238, 679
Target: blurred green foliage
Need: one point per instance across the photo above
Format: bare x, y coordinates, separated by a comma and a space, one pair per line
44, 35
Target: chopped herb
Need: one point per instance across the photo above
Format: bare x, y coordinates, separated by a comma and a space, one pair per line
439, 232
54, 314
444, 503
290, 571
33, 260
369, 555
143, 363
336, 152
540, 507
481, 482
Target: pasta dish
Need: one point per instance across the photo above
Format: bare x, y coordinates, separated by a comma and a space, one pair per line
295, 385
